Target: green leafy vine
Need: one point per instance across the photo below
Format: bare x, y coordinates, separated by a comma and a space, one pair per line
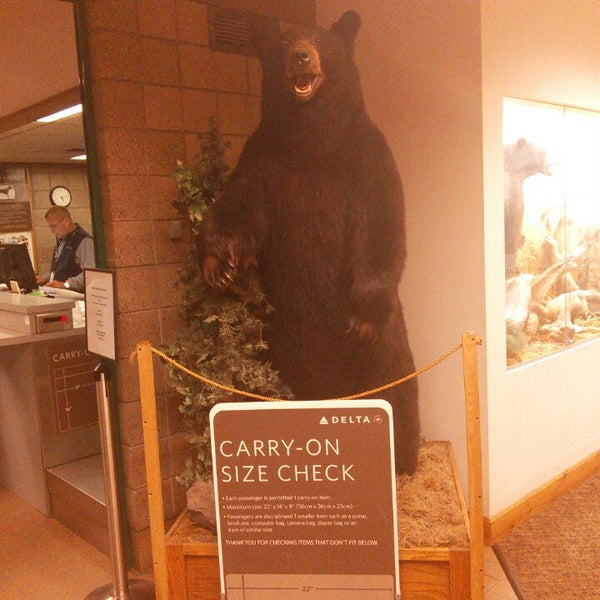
222, 336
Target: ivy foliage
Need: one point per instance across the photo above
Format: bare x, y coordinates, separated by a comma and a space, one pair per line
222, 337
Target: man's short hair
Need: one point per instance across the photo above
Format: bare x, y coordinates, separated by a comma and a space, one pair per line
60, 212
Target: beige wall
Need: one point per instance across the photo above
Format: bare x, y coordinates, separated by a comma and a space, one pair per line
421, 77
434, 73
544, 416
30, 69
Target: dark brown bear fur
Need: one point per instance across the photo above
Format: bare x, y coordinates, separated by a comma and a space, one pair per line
317, 201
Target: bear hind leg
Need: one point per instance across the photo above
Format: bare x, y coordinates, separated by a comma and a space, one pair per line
407, 433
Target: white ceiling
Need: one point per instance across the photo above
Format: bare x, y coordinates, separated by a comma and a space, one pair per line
43, 142
39, 61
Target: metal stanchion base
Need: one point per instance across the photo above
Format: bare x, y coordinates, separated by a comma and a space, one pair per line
139, 589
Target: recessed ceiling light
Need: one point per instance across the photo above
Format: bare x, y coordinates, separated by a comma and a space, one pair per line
61, 114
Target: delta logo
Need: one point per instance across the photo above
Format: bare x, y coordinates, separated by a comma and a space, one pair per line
348, 420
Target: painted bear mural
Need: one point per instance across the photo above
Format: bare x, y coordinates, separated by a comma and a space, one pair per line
317, 202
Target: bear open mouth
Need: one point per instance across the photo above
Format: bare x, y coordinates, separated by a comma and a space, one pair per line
305, 85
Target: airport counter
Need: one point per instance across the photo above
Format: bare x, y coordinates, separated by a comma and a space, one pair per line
48, 408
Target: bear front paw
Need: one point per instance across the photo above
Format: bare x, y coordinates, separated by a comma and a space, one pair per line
219, 273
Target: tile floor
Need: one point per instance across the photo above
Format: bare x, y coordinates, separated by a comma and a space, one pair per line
40, 559
496, 585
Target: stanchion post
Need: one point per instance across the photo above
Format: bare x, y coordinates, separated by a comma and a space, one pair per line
473, 419
153, 474
113, 504
121, 588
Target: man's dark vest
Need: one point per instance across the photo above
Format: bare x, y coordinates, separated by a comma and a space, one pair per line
66, 266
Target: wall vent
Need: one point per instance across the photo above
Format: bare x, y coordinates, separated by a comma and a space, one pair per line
234, 31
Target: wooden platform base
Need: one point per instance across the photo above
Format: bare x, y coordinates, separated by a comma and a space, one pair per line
426, 573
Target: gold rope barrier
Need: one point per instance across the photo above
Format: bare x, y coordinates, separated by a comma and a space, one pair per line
371, 392
144, 351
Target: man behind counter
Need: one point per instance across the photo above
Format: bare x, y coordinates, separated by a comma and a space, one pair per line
73, 252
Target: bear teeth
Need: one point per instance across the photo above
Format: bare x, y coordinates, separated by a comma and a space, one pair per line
305, 85
304, 91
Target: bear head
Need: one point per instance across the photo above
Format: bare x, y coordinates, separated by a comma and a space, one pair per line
311, 89
525, 159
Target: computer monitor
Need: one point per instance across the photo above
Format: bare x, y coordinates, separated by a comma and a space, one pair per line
15, 265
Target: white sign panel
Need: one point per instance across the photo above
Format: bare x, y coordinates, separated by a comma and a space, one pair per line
100, 312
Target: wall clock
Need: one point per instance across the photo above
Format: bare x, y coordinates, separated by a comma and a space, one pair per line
60, 195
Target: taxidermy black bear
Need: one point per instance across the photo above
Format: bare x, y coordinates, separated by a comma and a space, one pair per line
316, 201
521, 160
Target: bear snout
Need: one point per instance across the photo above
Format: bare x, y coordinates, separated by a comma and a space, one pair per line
301, 58
303, 69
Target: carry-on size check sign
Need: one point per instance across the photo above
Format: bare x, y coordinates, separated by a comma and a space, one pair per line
305, 495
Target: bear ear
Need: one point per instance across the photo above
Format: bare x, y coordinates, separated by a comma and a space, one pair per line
347, 27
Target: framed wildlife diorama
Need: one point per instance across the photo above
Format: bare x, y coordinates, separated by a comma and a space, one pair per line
551, 227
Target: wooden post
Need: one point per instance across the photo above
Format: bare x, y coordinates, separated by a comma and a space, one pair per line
153, 476
473, 418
